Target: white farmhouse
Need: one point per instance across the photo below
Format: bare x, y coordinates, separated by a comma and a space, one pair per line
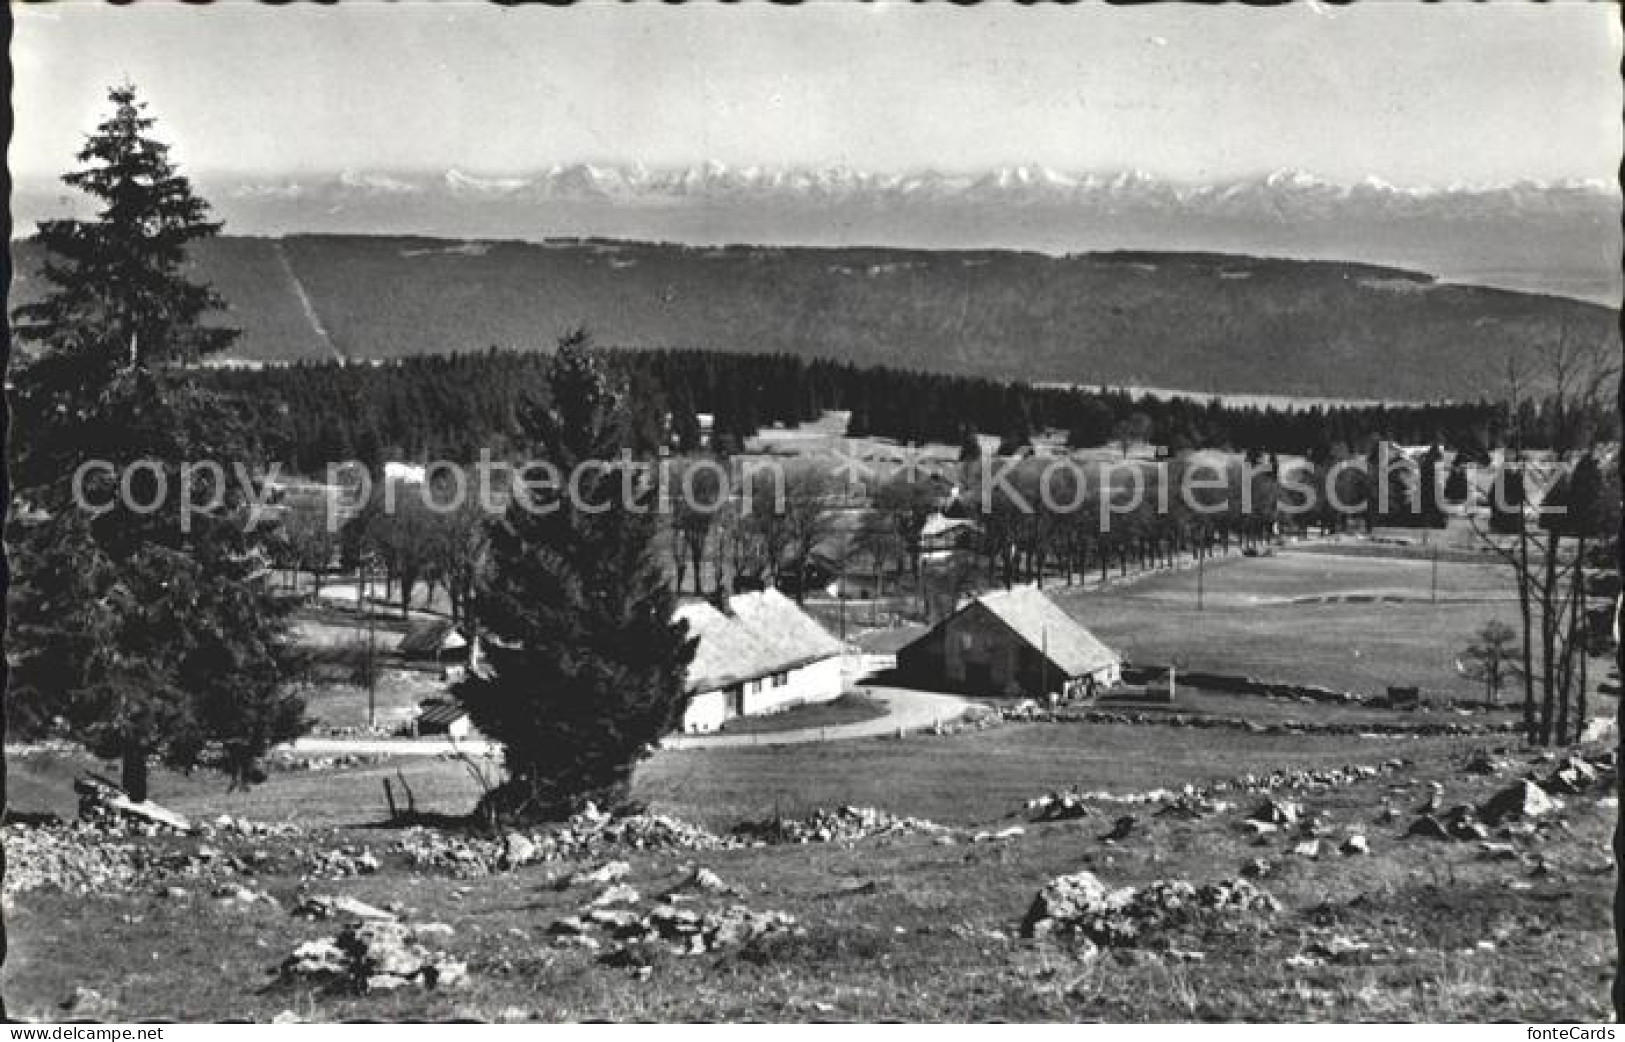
761, 655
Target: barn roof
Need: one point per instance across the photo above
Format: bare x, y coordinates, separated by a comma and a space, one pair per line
1041, 623
438, 712
760, 634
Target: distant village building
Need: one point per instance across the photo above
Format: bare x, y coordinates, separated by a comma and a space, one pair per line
405, 473
942, 536
762, 654
440, 716
1014, 643
437, 640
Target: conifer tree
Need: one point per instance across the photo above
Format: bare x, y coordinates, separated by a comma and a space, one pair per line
586, 666
142, 633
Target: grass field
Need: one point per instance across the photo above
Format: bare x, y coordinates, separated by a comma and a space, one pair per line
1291, 577
1278, 619
968, 778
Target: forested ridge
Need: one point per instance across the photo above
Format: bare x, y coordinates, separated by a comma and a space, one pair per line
1208, 322
453, 406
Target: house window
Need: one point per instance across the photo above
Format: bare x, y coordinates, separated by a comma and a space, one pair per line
781, 679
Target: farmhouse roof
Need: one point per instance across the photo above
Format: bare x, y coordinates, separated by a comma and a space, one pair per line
431, 638
1041, 623
760, 634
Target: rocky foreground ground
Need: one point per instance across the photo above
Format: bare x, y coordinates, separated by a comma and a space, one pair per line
1473, 886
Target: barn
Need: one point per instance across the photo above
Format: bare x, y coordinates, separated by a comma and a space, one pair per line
1014, 643
438, 716
758, 653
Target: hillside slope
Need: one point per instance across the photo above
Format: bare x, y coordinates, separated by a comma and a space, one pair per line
1200, 321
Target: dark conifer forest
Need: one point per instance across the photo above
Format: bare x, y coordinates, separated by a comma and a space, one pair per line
454, 406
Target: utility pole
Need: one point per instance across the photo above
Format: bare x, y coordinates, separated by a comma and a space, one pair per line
1043, 660
372, 649
1201, 571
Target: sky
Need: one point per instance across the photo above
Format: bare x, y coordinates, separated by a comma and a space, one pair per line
1412, 94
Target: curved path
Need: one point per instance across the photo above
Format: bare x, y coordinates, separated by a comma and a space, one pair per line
906, 709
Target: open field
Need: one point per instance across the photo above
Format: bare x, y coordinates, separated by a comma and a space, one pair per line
982, 776
904, 927
1307, 618
1290, 577
966, 778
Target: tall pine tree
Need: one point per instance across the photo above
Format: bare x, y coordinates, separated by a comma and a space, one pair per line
586, 666
140, 632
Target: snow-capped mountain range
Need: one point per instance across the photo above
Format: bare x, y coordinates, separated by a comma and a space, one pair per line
1283, 191
1556, 236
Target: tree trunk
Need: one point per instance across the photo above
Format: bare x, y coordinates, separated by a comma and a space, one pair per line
697, 552
133, 773
1529, 730
1550, 619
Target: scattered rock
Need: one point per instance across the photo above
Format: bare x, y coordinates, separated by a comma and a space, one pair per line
591, 834
682, 931
1058, 806
701, 880
1122, 828
99, 798
373, 957
87, 1003
1523, 801
1482, 762
617, 894
1341, 949
343, 863
603, 875
1428, 827
1574, 775
1355, 845
569, 926
322, 906
1309, 848
1080, 905
1280, 813
1192, 806
848, 824
615, 919
517, 850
